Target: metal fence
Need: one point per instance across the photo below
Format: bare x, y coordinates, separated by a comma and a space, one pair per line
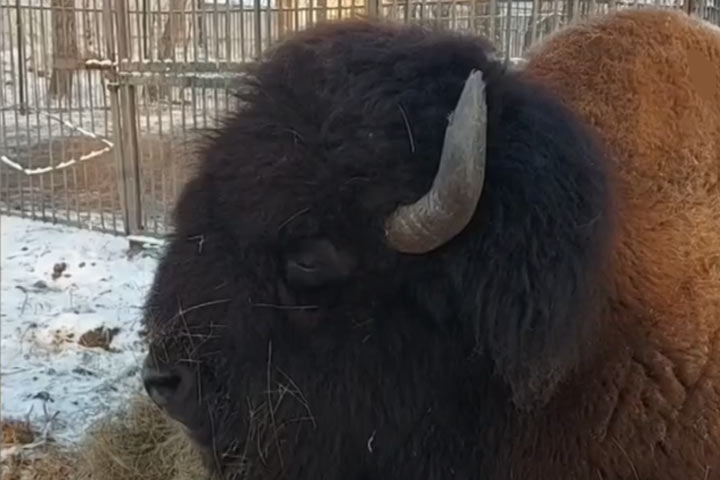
101, 101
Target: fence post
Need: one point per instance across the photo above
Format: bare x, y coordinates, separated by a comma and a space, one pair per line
128, 101
492, 18
20, 59
372, 9
113, 87
124, 118
320, 11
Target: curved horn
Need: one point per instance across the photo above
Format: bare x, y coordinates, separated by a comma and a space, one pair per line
445, 210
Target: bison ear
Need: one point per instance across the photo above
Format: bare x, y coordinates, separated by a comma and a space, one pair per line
532, 383
534, 356
316, 262
541, 326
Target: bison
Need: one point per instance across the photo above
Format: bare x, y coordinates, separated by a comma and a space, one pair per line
400, 259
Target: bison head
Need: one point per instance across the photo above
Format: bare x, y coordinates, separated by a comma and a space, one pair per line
389, 246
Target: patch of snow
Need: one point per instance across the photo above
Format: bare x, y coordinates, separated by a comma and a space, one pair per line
517, 62
99, 63
45, 372
145, 239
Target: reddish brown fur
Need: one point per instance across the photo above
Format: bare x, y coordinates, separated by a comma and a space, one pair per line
649, 80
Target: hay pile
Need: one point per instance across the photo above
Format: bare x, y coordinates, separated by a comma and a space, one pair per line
139, 443
44, 463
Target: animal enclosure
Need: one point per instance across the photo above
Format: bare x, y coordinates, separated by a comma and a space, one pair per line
102, 101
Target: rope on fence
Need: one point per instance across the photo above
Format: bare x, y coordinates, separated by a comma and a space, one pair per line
87, 133
68, 163
59, 166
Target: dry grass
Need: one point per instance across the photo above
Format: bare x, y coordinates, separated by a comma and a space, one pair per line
46, 463
26, 456
100, 337
139, 443
16, 432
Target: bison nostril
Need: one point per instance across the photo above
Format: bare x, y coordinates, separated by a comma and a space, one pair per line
168, 387
162, 387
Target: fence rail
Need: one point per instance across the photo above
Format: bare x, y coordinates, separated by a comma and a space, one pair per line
101, 101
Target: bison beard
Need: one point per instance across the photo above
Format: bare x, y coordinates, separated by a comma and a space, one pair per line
295, 337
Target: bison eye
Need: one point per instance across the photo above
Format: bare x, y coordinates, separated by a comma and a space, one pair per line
312, 263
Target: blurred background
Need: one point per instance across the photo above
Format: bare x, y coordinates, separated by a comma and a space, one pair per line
101, 99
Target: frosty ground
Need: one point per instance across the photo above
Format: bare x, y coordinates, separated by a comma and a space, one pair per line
58, 284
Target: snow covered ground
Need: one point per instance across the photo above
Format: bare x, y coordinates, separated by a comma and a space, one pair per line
45, 372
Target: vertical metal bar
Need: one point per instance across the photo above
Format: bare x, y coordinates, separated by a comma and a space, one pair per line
185, 30
508, 31
228, 36
268, 25
258, 29
77, 151
216, 27
171, 134
196, 29
111, 193
132, 165
19, 176
139, 31
73, 171
98, 172
152, 170
85, 91
4, 177
64, 172
24, 107
206, 30
129, 124
97, 15
4, 200
95, 170
534, 18
152, 21
145, 30
20, 59
110, 34
36, 101
113, 88
163, 187
61, 140
423, 9
119, 118
472, 24
51, 158
491, 20
124, 45
243, 35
